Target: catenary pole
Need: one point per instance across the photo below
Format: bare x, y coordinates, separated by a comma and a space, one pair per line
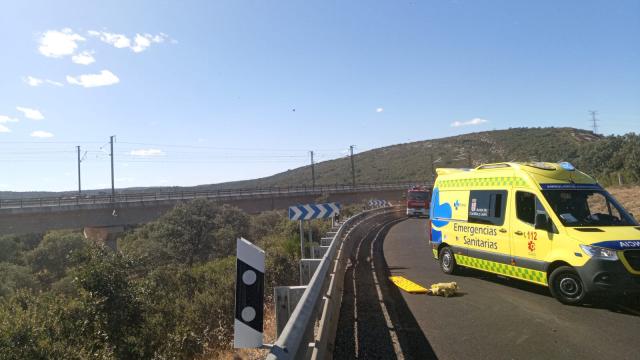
313, 171
113, 185
353, 167
79, 181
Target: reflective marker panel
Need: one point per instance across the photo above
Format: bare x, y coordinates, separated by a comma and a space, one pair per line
249, 313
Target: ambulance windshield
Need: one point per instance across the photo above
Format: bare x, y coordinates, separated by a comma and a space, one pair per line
588, 208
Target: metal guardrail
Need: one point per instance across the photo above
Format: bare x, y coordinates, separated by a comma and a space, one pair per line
223, 194
314, 320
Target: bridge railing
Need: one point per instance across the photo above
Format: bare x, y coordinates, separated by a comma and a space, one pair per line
313, 322
222, 194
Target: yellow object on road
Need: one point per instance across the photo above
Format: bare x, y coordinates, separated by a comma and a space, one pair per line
443, 289
408, 285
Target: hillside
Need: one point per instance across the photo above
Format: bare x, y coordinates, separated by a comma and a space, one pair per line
604, 157
610, 159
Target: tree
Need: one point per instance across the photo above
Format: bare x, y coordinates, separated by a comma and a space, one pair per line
14, 277
188, 230
631, 151
55, 254
113, 300
231, 223
12, 247
192, 232
47, 326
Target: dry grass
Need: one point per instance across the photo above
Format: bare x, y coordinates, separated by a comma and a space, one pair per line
629, 197
253, 354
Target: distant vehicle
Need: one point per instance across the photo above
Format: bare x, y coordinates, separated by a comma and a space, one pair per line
544, 223
418, 201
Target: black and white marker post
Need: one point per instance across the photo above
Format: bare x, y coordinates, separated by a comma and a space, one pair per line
248, 324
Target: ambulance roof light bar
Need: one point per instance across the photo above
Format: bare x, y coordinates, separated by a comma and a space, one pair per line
493, 166
567, 166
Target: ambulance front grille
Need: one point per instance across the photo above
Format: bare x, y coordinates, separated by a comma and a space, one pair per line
633, 258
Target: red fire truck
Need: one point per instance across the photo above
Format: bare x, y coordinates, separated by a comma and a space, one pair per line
418, 199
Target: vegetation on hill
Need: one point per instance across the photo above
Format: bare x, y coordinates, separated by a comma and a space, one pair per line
166, 294
603, 157
612, 159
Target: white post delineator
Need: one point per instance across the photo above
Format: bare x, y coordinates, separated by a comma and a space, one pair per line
249, 306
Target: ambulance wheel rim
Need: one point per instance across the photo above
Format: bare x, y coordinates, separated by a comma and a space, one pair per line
446, 260
566, 286
569, 286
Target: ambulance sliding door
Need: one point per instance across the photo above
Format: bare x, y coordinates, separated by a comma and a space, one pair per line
488, 234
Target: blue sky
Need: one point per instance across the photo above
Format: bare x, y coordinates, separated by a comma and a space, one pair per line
205, 91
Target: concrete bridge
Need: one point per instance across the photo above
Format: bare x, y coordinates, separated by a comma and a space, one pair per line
19, 216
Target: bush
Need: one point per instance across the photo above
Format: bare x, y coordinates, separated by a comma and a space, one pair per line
14, 277
48, 327
168, 294
55, 254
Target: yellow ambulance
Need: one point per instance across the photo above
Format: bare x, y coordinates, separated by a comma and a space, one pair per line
545, 223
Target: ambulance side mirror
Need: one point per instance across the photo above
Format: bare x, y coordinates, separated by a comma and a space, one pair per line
543, 223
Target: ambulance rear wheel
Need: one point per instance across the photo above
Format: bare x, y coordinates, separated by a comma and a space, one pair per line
566, 286
447, 261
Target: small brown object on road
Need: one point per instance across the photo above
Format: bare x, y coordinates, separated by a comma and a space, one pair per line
443, 289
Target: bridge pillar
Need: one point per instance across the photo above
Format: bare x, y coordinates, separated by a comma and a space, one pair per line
105, 235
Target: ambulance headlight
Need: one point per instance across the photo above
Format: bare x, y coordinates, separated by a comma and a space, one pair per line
598, 252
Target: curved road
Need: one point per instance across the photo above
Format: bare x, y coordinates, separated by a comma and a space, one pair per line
494, 317
372, 307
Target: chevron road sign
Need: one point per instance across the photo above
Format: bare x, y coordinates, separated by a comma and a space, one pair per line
313, 211
378, 203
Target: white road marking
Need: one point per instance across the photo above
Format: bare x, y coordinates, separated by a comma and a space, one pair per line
392, 332
355, 294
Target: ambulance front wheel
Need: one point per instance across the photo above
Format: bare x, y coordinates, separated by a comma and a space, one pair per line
566, 286
447, 261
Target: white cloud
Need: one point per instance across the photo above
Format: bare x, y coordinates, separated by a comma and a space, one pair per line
41, 134
139, 43
54, 83
32, 81
83, 58
56, 44
117, 40
474, 121
147, 152
32, 114
4, 129
5, 119
379, 110
104, 78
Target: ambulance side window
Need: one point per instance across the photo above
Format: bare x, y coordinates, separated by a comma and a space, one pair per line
487, 206
526, 207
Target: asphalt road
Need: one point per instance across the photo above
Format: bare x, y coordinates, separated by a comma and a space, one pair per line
375, 322
494, 317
